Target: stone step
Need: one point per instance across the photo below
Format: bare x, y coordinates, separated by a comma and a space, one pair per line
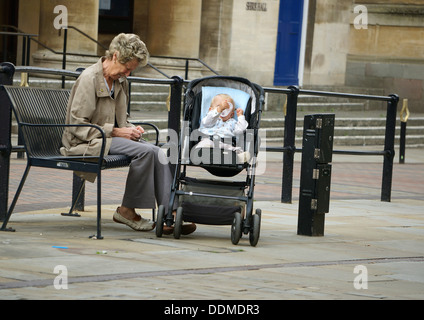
343, 135
137, 97
148, 106
349, 131
356, 122
53, 83
149, 88
411, 141
318, 107
345, 122
153, 97
154, 101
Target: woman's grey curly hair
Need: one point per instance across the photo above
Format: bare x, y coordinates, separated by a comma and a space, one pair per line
128, 46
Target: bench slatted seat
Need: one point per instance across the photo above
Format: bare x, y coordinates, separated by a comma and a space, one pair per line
40, 114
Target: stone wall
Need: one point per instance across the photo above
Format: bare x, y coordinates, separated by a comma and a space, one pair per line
328, 45
238, 39
389, 53
82, 15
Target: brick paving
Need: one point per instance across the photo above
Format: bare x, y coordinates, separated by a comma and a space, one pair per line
384, 237
47, 188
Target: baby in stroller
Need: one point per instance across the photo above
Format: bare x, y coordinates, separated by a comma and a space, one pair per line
220, 122
226, 110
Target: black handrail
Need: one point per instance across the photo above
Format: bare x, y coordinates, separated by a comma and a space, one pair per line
75, 74
87, 36
106, 48
289, 148
187, 63
28, 37
149, 64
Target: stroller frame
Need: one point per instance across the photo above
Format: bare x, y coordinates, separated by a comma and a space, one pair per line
247, 223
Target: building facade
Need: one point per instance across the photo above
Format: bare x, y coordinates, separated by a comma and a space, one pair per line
312, 43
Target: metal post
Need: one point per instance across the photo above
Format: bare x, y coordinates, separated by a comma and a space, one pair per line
7, 71
174, 113
402, 142
404, 115
5, 151
289, 144
28, 53
65, 39
389, 148
186, 70
24, 41
129, 98
5, 49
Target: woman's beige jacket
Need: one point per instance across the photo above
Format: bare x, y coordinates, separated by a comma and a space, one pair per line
91, 103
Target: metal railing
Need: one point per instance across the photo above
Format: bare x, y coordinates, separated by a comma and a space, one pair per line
26, 49
289, 149
187, 60
26, 42
7, 71
149, 64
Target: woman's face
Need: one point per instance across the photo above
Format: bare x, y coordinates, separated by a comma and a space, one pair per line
119, 70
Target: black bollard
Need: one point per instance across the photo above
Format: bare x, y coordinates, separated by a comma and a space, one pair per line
315, 176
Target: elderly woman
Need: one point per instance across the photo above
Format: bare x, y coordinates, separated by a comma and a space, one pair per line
100, 96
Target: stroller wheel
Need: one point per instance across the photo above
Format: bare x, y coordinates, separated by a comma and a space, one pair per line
178, 223
256, 227
159, 221
236, 228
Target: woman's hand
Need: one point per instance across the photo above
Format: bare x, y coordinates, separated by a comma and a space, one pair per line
132, 133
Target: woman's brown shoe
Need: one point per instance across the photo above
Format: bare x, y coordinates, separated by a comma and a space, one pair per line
185, 229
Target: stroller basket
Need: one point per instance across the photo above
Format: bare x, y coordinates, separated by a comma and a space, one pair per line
205, 208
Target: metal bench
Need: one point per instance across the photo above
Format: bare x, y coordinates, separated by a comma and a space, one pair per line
40, 114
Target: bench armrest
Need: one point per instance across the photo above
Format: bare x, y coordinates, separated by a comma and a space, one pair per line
54, 125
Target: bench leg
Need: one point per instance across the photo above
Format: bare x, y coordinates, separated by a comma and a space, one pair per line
99, 207
15, 199
74, 203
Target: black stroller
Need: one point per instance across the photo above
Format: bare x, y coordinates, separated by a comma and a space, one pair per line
219, 201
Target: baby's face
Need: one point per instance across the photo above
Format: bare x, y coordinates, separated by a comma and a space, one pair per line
228, 116
221, 101
216, 102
